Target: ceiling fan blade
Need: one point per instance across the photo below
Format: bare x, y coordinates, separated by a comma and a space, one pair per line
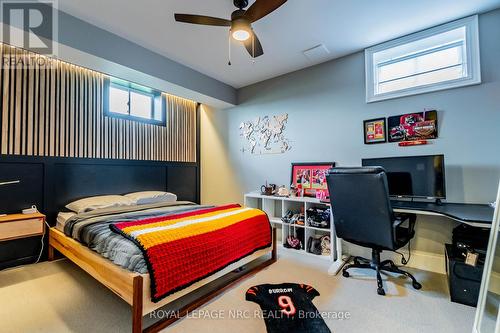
261, 8
253, 46
201, 19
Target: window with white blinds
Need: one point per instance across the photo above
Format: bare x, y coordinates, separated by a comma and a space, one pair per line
440, 58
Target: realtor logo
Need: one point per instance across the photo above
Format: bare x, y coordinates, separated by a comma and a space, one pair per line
30, 25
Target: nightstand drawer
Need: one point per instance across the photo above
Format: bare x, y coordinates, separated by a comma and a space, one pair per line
21, 228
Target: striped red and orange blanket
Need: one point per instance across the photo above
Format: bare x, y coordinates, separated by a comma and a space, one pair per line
184, 248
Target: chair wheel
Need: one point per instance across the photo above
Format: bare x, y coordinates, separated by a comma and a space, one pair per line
417, 285
381, 291
345, 274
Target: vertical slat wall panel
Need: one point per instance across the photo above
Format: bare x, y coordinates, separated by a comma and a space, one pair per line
41, 111
55, 109
5, 106
52, 108
16, 124
61, 109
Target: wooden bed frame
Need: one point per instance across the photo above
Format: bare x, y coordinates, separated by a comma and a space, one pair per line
134, 288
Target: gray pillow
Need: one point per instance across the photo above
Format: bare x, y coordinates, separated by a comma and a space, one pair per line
151, 197
98, 202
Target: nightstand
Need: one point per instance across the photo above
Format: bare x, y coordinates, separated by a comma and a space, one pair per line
16, 226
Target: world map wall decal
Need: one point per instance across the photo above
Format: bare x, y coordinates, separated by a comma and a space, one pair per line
265, 135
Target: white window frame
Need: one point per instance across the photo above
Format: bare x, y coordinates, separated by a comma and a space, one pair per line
473, 61
158, 103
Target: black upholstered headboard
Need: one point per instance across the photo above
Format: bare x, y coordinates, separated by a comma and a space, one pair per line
50, 183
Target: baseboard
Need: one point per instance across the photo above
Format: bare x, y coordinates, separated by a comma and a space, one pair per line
437, 263
426, 261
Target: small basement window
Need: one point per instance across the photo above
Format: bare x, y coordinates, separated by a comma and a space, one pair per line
440, 58
126, 100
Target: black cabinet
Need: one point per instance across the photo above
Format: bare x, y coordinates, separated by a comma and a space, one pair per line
464, 280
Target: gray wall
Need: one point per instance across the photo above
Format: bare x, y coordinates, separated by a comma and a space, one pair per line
326, 107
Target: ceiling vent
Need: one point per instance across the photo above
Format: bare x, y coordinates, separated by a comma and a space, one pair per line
317, 54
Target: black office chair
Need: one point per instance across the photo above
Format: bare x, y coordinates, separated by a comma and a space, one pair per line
363, 216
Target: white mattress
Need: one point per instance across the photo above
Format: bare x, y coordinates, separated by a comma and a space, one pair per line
62, 217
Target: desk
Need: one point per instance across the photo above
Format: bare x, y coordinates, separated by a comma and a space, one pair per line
475, 215
472, 214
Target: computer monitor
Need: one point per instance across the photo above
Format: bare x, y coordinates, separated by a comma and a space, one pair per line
413, 176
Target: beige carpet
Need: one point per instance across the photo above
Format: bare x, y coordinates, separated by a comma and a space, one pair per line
60, 297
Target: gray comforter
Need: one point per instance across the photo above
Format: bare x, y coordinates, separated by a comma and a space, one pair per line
92, 229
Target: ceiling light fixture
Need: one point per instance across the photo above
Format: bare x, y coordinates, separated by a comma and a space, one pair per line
240, 23
241, 29
240, 35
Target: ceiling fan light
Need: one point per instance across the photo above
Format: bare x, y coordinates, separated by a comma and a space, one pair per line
240, 27
240, 35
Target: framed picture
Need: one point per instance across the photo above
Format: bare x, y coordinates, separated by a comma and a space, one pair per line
375, 131
413, 126
311, 177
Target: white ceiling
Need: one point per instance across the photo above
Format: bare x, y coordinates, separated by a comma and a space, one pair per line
342, 26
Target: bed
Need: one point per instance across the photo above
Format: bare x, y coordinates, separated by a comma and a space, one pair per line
51, 182
87, 240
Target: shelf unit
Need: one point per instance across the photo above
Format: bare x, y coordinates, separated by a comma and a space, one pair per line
276, 207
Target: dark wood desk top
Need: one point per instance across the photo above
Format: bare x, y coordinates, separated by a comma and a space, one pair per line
474, 213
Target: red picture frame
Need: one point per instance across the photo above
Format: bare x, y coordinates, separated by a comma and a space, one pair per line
311, 177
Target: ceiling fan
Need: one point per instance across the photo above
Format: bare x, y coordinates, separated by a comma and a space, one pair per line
240, 23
